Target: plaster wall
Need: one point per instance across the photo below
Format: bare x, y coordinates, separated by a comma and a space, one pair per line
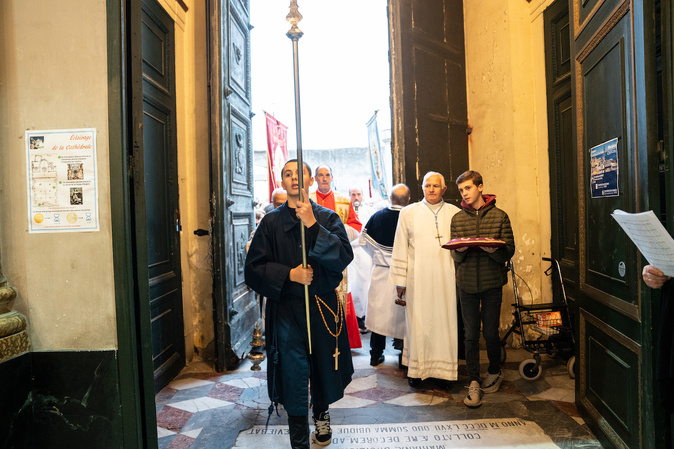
505, 71
193, 173
53, 75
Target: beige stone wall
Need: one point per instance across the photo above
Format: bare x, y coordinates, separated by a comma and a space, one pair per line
507, 109
53, 75
193, 172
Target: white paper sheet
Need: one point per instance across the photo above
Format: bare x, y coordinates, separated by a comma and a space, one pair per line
650, 237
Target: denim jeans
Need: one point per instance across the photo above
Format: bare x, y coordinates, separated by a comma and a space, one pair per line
484, 307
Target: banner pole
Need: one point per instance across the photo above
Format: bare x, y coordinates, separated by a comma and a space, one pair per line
295, 34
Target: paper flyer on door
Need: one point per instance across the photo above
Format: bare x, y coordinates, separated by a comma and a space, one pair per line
62, 180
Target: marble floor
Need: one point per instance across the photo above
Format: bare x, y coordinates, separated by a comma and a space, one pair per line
203, 409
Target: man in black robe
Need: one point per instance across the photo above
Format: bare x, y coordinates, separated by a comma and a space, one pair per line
384, 317
274, 269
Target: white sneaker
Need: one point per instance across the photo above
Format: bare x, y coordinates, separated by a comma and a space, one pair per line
492, 383
474, 398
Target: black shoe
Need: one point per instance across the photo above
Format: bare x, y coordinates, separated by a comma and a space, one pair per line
414, 381
376, 360
361, 325
323, 430
299, 432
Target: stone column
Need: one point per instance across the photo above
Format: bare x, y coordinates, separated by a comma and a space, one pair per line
13, 333
7, 294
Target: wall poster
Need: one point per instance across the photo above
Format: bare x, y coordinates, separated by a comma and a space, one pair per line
62, 180
604, 169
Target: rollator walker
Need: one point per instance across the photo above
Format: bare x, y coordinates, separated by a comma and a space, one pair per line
543, 327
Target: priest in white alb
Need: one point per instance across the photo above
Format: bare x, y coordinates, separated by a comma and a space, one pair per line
423, 273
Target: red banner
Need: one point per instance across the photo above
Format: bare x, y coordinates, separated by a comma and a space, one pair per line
277, 151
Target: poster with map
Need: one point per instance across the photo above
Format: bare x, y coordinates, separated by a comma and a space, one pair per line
62, 180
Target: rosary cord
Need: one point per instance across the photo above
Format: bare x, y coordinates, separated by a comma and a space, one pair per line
337, 315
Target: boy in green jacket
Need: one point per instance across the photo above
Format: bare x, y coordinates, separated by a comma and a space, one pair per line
481, 273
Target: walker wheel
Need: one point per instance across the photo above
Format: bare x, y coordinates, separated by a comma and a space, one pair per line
503, 354
530, 370
571, 367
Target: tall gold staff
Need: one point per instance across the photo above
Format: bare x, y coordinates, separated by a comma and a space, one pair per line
295, 34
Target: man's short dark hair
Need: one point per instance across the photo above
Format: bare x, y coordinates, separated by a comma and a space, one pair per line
295, 160
470, 175
399, 198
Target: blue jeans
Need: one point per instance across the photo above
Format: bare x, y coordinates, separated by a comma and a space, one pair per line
485, 307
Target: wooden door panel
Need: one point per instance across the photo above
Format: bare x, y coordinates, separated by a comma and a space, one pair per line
239, 52
613, 365
159, 219
160, 199
154, 55
562, 150
608, 276
240, 164
243, 312
428, 91
613, 53
231, 179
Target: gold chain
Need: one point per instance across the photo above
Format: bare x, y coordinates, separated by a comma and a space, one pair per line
337, 315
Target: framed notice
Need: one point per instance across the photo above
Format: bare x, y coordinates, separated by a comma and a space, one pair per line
62, 180
604, 169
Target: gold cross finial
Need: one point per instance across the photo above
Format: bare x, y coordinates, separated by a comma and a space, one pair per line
294, 18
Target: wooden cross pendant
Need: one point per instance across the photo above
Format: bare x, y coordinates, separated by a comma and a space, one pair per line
439, 237
335, 355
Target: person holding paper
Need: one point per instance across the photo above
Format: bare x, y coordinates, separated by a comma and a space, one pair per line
481, 273
653, 277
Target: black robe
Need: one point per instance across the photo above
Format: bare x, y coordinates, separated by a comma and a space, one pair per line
274, 251
664, 368
382, 226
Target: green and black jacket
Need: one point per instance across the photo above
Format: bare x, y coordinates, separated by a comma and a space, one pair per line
477, 270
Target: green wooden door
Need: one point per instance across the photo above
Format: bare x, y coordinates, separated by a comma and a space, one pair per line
614, 93
428, 92
235, 306
160, 172
561, 148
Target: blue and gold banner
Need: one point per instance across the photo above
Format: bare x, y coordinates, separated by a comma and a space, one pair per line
376, 159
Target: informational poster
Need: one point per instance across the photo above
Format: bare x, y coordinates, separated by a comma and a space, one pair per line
604, 169
62, 180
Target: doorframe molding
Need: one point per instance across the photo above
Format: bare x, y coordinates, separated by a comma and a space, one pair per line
136, 382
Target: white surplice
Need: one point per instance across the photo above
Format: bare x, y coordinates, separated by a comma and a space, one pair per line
426, 270
360, 269
359, 277
384, 316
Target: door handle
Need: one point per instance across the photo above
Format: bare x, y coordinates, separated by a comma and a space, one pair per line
178, 224
201, 232
229, 202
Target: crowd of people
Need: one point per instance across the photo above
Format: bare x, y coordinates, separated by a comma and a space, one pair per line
379, 270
